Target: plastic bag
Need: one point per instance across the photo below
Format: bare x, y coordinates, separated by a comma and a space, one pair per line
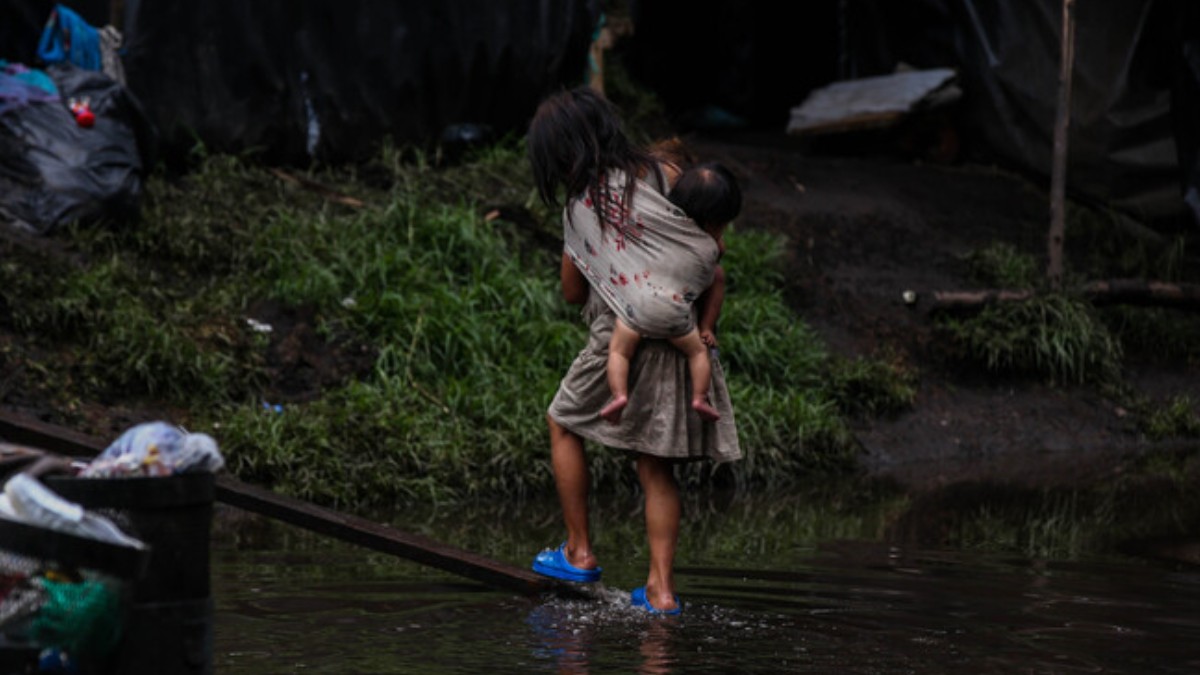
53, 171
27, 500
156, 449
67, 37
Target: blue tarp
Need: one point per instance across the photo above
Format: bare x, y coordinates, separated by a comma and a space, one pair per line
67, 37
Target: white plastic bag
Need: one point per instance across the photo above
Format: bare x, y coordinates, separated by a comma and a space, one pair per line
31, 502
156, 449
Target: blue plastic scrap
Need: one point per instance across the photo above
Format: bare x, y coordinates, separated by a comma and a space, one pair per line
21, 86
31, 77
68, 37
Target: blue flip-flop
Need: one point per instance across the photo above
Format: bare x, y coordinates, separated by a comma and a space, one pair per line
638, 599
554, 563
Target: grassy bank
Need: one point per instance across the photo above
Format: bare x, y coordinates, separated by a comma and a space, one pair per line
1061, 337
405, 349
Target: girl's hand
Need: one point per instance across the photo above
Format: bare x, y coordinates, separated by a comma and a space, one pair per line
709, 338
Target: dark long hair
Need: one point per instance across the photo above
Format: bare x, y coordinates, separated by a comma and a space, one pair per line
575, 139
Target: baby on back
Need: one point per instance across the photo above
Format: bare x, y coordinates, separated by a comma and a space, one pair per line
708, 194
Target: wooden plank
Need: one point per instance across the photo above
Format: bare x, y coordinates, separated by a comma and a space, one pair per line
28, 431
383, 538
858, 122
872, 102
346, 527
325, 191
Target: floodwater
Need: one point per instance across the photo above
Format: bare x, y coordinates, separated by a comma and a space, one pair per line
812, 583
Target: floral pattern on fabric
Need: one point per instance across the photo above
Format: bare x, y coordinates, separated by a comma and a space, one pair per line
649, 262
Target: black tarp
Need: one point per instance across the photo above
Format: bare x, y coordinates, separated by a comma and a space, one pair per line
1129, 60
753, 60
236, 76
1185, 104
54, 171
1122, 150
268, 74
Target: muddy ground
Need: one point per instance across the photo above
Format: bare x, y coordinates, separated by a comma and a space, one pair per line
863, 229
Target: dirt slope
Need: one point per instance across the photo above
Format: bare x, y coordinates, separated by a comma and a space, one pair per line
862, 231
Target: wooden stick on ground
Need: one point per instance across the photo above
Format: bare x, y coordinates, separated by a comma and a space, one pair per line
1138, 292
1143, 293
323, 190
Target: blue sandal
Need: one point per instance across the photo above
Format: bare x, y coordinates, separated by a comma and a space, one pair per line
554, 563
638, 599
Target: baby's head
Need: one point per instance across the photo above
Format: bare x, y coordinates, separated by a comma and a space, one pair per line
710, 195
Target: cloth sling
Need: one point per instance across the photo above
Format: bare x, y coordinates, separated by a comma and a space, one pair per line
648, 262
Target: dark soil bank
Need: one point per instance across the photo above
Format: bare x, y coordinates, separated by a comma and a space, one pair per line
863, 231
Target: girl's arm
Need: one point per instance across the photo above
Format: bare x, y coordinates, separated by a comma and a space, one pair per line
709, 307
574, 285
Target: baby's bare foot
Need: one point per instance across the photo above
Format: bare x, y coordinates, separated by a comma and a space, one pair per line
612, 412
706, 411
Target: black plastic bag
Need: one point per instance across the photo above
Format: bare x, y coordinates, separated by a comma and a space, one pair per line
54, 171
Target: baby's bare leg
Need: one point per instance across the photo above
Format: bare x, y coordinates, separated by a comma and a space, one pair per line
621, 347
701, 370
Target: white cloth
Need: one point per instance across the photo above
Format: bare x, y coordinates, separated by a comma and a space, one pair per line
649, 263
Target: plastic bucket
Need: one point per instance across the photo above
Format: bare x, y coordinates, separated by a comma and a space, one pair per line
172, 514
167, 638
168, 628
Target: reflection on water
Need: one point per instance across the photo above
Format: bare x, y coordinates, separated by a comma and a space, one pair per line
766, 587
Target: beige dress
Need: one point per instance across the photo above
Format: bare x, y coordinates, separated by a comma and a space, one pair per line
659, 419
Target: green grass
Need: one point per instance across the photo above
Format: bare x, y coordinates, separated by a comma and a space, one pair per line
1001, 265
1059, 337
1178, 417
1102, 243
872, 387
130, 336
1053, 336
459, 317
1156, 333
462, 314
472, 348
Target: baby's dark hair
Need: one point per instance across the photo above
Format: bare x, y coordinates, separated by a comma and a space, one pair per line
709, 194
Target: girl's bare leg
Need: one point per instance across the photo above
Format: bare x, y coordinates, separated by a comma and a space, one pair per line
657, 477
621, 347
571, 479
701, 371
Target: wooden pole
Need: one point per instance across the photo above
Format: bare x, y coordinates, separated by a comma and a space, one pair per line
1058, 171
116, 14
